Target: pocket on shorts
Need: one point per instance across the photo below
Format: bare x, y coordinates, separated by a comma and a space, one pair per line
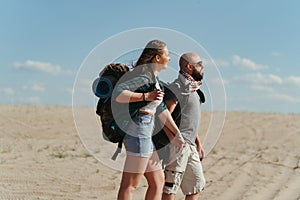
144, 119
170, 176
172, 179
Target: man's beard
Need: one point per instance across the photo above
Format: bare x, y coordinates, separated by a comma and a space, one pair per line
197, 76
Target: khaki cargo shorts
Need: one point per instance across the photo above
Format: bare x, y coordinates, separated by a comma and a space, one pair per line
185, 172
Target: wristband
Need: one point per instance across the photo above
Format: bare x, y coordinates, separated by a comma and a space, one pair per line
144, 97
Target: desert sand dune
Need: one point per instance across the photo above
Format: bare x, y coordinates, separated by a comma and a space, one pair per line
41, 157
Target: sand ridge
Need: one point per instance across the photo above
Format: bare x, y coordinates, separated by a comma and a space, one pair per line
42, 157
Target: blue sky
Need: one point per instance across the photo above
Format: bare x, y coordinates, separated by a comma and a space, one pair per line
255, 45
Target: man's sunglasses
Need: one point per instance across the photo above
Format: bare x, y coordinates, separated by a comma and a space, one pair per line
200, 63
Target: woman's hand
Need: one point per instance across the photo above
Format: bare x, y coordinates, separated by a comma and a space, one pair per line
157, 94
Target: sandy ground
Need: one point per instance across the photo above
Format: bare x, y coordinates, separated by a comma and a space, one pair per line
41, 157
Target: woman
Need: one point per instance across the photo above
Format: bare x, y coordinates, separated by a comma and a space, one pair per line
144, 95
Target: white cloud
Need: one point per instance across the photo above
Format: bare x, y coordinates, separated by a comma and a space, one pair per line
36, 87
69, 90
274, 79
83, 86
42, 67
295, 80
9, 91
259, 78
283, 98
275, 54
32, 100
219, 82
67, 72
219, 63
262, 88
268, 86
247, 63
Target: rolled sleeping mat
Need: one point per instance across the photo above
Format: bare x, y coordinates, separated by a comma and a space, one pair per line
103, 86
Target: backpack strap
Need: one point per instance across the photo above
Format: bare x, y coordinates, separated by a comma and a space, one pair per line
118, 151
176, 88
201, 95
182, 98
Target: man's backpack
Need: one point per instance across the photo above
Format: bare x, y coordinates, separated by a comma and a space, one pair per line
103, 87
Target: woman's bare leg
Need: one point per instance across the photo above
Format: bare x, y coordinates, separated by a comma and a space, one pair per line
134, 169
155, 178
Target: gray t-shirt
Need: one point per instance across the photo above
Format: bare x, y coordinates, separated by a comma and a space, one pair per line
190, 113
190, 118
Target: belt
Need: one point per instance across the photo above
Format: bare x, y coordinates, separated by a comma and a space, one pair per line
146, 112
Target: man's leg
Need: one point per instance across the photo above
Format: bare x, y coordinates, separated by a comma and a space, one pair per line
194, 181
192, 196
174, 173
168, 196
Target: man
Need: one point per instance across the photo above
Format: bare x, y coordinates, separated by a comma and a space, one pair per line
185, 171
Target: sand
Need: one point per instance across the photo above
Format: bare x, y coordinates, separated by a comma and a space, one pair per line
41, 157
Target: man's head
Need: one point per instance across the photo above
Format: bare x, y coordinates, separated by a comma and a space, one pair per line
191, 63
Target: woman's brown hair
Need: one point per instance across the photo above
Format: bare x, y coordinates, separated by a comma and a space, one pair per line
153, 48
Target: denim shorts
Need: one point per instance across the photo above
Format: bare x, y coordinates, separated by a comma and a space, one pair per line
138, 138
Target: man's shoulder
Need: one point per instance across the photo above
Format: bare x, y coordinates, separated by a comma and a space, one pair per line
172, 91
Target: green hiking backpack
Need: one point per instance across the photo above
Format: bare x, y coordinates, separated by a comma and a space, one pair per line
103, 87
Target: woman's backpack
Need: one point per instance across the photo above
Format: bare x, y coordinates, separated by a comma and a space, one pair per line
103, 87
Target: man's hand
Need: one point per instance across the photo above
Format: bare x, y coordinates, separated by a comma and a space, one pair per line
178, 142
201, 153
199, 148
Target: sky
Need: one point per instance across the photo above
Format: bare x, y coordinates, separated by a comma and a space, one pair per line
254, 44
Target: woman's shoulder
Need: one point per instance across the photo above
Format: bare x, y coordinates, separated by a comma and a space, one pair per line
141, 79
